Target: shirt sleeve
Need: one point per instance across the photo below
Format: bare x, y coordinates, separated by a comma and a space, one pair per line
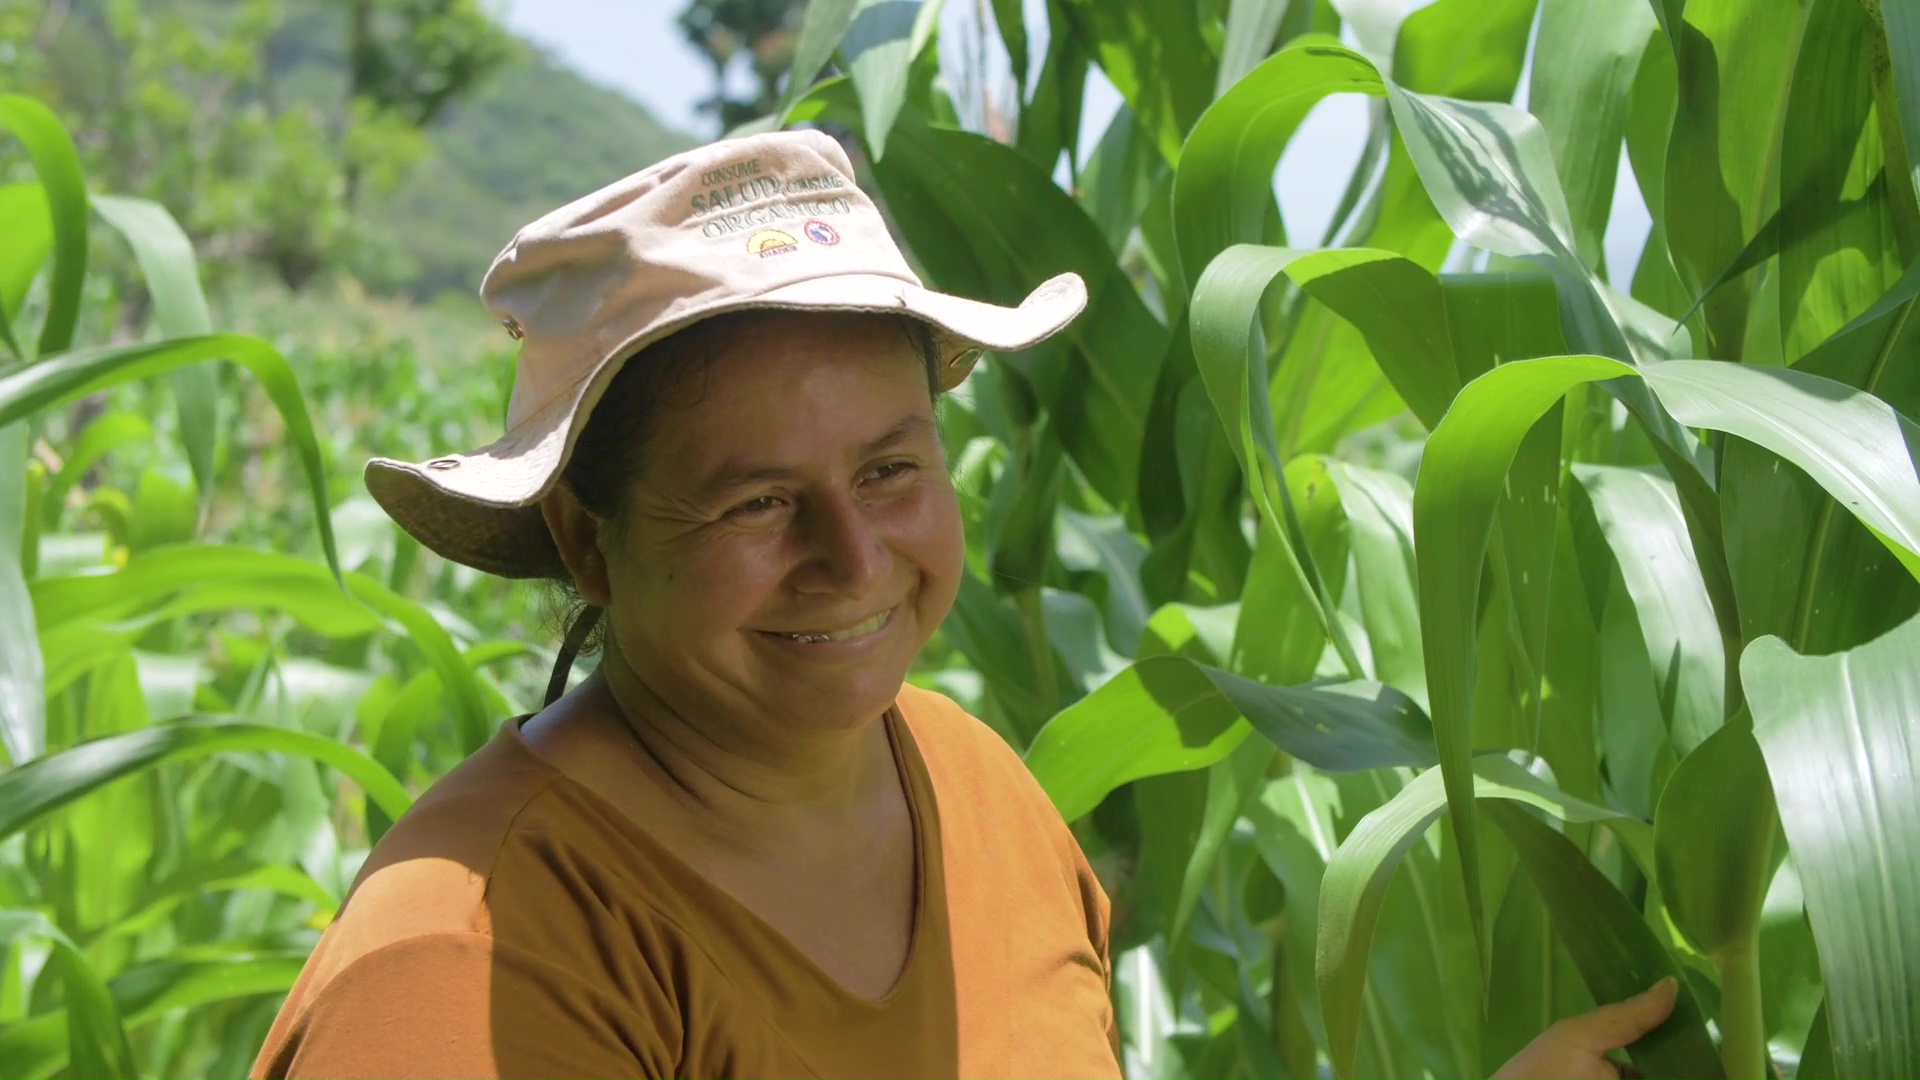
462, 1005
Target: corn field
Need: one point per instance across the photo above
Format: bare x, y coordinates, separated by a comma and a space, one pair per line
1427, 638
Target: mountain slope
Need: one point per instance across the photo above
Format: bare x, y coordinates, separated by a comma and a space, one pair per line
537, 136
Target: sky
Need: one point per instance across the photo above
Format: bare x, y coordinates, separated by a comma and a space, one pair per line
635, 47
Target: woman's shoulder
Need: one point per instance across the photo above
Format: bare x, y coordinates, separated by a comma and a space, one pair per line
942, 728
430, 873
972, 764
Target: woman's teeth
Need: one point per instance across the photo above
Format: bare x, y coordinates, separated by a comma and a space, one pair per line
851, 632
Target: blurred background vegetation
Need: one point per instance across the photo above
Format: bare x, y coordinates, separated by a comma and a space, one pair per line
1194, 599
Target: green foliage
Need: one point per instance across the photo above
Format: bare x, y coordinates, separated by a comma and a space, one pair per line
1424, 641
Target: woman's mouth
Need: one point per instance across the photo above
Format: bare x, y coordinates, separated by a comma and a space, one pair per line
858, 630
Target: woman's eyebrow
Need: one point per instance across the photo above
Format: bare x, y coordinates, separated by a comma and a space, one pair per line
906, 429
736, 475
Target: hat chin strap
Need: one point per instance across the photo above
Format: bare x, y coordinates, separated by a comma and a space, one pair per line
569, 649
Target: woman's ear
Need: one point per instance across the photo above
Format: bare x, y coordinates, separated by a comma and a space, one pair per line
577, 534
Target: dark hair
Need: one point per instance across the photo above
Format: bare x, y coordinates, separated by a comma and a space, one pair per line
607, 462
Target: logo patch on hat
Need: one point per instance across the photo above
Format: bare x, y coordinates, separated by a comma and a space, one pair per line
771, 242
820, 232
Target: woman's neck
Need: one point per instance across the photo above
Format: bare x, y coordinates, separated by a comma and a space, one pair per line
748, 782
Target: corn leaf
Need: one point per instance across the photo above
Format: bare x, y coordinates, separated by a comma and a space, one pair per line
1357, 877
59, 379
96, 1041
48, 783
1841, 739
1610, 943
1223, 189
1856, 446
1639, 515
1588, 54
58, 165
1169, 714
167, 262
1462, 477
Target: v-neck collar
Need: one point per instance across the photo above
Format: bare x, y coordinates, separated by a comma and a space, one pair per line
758, 957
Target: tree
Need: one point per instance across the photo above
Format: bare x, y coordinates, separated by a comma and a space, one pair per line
765, 30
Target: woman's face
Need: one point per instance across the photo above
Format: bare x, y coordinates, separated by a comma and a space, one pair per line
793, 539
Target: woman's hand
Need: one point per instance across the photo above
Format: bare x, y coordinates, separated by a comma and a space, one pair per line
1577, 1046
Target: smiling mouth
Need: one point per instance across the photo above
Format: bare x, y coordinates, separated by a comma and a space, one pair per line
858, 630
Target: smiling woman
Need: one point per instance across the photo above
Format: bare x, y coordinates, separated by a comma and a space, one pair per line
742, 846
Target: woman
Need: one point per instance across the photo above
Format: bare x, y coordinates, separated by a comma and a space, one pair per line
743, 846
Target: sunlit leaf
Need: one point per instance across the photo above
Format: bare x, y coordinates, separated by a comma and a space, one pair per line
1839, 736
1855, 445
1639, 515
1462, 478
58, 166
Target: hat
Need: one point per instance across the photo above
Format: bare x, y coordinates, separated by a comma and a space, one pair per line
768, 221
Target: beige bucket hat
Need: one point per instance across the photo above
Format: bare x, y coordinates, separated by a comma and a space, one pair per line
769, 221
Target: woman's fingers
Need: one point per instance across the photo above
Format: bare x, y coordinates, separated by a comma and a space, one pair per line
1610, 1027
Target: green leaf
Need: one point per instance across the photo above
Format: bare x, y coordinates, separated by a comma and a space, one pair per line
1733, 59
878, 47
1489, 170
1837, 253
1251, 29
58, 166
1839, 736
29, 239
96, 1041
1463, 474
212, 576
1902, 24
1103, 545
1639, 515
1714, 853
166, 259
826, 23
1472, 49
1583, 73
1610, 943
1232, 783
22, 670
1223, 189
150, 991
48, 783
1805, 569
102, 436
1169, 714
987, 223
56, 380
1154, 55
1357, 877
1231, 356
1277, 638
1379, 508
1855, 445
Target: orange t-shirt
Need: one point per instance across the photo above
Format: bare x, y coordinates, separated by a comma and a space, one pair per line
513, 923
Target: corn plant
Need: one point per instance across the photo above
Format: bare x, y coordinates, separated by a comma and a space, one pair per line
1396, 763
171, 843
1426, 638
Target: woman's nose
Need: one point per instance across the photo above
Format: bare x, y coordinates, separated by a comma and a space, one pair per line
846, 552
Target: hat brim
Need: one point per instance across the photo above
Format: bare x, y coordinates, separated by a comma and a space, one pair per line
480, 508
